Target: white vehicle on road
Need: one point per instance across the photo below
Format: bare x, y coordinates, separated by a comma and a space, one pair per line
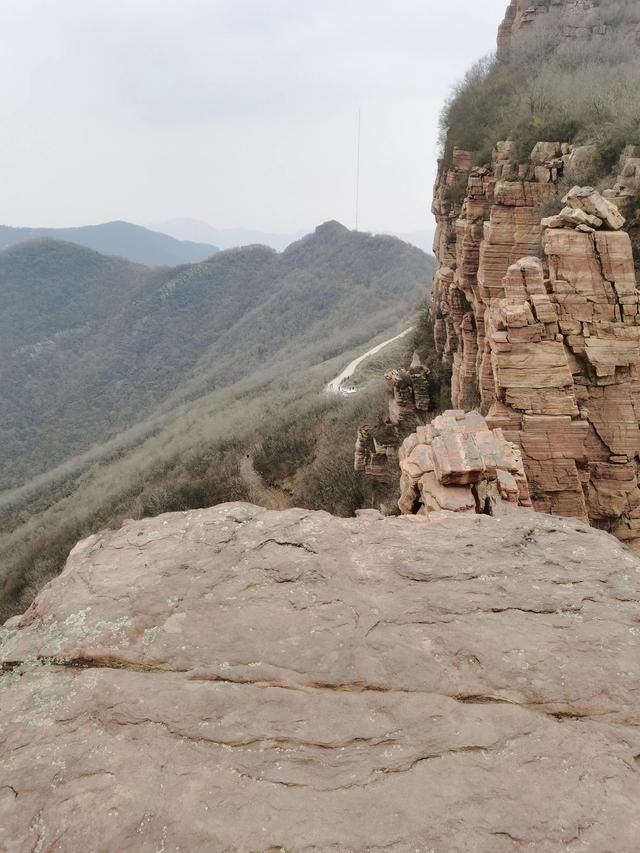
336, 386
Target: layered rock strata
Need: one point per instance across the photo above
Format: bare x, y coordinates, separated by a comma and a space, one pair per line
477, 239
539, 322
456, 464
239, 679
376, 451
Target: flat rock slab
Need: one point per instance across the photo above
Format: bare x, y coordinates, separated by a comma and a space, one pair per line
236, 679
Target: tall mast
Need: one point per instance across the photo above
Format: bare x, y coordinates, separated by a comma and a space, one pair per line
358, 171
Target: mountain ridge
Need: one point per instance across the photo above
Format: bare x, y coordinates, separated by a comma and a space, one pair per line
117, 238
90, 343
227, 238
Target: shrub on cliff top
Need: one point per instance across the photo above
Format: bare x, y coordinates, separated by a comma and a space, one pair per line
553, 87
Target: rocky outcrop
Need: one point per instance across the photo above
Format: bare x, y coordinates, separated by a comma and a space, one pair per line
571, 386
409, 398
409, 401
573, 19
627, 185
539, 321
376, 453
456, 464
495, 224
586, 210
625, 193
239, 679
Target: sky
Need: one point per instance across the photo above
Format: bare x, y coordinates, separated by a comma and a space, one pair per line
242, 113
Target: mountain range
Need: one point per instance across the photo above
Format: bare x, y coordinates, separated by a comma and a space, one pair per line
227, 238
177, 241
91, 344
122, 239
130, 390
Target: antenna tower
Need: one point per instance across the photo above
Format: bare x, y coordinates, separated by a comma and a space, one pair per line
358, 171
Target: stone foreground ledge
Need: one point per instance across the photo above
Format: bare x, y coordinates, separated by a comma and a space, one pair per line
238, 679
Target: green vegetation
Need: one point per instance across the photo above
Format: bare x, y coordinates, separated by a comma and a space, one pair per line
309, 451
553, 87
147, 390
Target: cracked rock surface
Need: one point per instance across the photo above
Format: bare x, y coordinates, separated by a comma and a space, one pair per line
244, 680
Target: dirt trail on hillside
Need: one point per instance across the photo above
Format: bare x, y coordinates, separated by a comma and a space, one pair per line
260, 493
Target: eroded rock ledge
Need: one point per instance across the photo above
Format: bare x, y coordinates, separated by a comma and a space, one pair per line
574, 19
457, 464
238, 679
539, 318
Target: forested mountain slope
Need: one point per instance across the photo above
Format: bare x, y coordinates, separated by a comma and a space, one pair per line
130, 391
91, 344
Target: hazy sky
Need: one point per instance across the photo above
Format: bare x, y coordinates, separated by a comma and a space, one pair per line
237, 112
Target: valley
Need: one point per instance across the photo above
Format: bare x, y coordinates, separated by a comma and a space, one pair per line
325, 544
144, 390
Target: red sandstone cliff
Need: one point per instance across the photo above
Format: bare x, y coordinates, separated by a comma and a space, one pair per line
540, 320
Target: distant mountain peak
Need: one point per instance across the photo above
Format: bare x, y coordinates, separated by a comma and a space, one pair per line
41, 245
332, 227
120, 239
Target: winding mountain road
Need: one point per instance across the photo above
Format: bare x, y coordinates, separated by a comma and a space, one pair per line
334, 386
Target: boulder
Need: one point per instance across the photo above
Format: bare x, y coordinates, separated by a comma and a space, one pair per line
457, 464
239, 679
570, 217
593, 204
583, 160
